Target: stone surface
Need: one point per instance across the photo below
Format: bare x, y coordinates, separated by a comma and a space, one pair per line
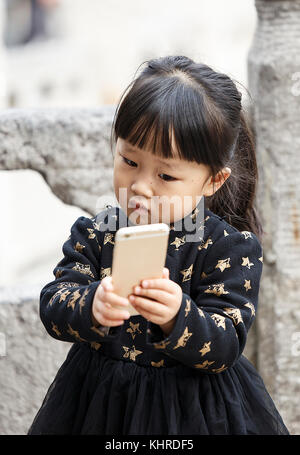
68, 147
29, 360
273, 63
2, 61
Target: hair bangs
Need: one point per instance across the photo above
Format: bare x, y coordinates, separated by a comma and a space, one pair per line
169, 117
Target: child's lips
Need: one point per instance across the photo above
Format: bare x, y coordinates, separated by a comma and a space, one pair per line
141, 210
137, 206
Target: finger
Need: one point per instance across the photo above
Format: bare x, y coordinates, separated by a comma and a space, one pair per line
153, 308
114, 313
160, 296
107, 283
156, 319
112, 298
109, 322
159, 283
166, 272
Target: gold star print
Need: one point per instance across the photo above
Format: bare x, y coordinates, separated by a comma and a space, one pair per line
261, 259
91, 232
201, 313
223, 264
187, 307
187, 273
178, 242
72, 300
133, 329
202, 224
206, 244
131, 353
203, 275
81, 302
204, 365
217, 289
205, 348
67, 284
63, 296
108, 238
58, 273
246, 234
181, 342
55, 329
219, 370
247, 285
246, 262
82, 268
194, 214
75, 333
95, 345
79, 247
158, 364
252, 308
225, 233
219, 320
105, 272
234, 314
162, 344
57, 293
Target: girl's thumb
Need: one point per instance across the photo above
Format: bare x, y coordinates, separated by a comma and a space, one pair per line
166, 272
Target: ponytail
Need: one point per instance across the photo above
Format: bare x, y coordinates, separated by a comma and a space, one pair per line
235, 200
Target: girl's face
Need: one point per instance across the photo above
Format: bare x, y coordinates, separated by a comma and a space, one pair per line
169, 188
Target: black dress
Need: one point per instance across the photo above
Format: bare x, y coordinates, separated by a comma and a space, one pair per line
132, 379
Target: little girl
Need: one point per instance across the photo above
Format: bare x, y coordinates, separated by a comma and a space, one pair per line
177, 367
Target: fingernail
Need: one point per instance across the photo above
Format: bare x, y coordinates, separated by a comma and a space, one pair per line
131, 298
145, 283
137, 289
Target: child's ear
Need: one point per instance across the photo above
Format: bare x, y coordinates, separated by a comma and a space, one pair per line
214, 183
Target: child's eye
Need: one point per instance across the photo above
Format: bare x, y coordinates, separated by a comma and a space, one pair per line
166, 178
169, 178
128, 161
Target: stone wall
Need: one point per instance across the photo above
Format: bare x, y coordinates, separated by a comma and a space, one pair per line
274, 65
29, 361
68, 147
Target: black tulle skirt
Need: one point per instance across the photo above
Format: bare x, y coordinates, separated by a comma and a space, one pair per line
95, 394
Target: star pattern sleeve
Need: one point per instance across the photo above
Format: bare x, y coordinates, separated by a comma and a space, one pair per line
66, 302
211, 326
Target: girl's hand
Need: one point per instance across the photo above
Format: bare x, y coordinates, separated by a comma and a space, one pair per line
158, 300
103, 310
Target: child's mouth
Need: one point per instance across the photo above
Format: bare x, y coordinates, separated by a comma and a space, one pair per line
137, 206
140, 210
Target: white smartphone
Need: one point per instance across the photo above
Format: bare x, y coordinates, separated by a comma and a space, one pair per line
139, 253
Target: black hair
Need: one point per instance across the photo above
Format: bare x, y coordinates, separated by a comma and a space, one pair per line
174, 98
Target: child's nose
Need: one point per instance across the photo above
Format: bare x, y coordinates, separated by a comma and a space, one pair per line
142, 188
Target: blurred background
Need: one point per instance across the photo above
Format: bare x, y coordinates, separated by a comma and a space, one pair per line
78, 53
